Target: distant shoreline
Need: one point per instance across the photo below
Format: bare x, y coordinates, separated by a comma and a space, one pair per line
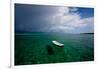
30, 33
87, 33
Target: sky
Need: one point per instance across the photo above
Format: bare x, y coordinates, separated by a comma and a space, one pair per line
46, 18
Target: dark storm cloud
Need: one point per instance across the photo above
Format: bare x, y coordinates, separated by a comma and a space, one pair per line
32, 18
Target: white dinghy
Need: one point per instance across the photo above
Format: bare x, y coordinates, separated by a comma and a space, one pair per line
57, 43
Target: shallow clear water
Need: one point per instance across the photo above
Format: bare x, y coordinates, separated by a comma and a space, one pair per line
37, 48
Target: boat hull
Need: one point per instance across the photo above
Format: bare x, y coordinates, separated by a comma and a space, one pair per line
57, 44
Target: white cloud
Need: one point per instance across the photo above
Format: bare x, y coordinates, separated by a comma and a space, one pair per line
68, 20
73, 9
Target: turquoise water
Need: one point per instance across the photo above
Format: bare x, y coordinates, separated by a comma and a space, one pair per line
37, 48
